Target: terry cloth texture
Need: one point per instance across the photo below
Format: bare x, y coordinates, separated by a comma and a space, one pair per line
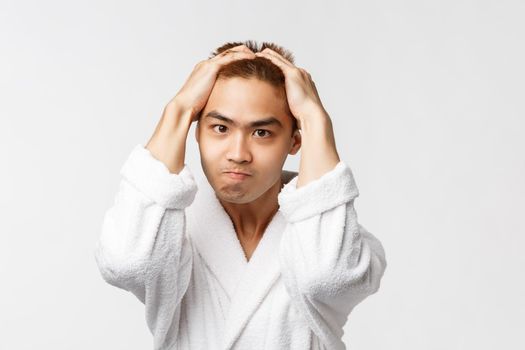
168, 240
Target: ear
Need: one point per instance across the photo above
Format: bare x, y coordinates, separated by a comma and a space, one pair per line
295, 143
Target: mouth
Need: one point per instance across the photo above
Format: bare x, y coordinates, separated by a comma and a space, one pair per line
236, 176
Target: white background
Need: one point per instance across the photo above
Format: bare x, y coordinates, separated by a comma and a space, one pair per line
427, 102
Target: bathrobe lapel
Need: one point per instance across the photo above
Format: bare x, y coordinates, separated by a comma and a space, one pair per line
212, 232
247, 283
259, 275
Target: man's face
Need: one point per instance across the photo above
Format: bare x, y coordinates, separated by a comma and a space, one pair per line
259, 150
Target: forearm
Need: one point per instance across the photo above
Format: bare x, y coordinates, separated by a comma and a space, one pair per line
318, 149
168, 142
329, 262
138, 230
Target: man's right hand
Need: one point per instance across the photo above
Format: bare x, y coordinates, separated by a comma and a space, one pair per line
196, 90
168, 142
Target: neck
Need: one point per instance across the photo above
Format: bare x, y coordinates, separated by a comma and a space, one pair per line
251, 219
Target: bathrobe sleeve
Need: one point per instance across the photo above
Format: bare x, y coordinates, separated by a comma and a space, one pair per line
143, 247
329, 262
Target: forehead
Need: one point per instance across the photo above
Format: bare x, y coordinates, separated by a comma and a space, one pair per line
246, 100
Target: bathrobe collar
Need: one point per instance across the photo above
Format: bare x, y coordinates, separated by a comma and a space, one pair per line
247, 283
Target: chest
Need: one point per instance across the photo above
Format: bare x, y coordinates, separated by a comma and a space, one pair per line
248, 246
232, 280
209, 309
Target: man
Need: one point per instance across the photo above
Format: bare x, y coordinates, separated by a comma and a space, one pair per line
254, 256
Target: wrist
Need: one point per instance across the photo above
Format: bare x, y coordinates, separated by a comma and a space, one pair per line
178, 111
315, 122
176, 118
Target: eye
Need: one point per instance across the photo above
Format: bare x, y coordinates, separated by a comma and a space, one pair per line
266, 131
224, 126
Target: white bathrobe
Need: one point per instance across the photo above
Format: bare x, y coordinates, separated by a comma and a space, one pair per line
168, 240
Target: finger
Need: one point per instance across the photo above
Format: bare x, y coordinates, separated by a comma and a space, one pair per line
305, 72
238, 48
285, 67
277, 55
232, 55
242, 48
235, 55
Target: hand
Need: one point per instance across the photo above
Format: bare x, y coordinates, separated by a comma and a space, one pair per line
168, 142
301, 93
196, 90
318, 150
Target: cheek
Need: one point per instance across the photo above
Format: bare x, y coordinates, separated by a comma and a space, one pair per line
273, 154
210, 152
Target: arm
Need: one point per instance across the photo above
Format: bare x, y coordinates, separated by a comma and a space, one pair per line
143, 247
143, 231
143, 235
330, 262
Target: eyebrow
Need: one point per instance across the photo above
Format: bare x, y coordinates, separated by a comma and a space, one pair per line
262, 122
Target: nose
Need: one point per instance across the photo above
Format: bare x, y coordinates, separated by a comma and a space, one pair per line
238, 150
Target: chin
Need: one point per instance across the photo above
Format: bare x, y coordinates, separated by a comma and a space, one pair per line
234, 196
